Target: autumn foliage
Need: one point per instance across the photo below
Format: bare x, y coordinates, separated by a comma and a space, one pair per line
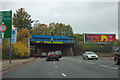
20, 49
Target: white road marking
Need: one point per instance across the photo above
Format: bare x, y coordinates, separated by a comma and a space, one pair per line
113, 67
54, 62
104, 66
56, 66
108, 66
63, 74
79, 61
91, 63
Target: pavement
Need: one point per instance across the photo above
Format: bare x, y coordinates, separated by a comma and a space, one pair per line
6, 65
67, 67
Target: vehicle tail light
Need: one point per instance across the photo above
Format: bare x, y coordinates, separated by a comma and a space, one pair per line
61, 53
57, 54
48, 54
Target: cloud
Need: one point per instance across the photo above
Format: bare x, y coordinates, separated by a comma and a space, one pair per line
82, 16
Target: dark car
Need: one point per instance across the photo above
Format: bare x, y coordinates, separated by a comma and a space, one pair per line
60, 54
52, 56
43, 54
117, 56
36, 54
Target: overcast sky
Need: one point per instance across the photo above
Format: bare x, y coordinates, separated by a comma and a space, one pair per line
100, 17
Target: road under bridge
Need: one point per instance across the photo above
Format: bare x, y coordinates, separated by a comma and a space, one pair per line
42, 43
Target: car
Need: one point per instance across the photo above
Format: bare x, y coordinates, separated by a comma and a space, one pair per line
43, 54
89, 55
36, 54
52, 56
117, 56
60, 54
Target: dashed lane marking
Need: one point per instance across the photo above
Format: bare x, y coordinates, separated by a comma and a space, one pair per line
91, 63
56, 66
54, 62
79, 61
63, 75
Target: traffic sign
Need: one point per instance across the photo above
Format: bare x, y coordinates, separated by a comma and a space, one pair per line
51, 39
6, 18
3, 28
14, 37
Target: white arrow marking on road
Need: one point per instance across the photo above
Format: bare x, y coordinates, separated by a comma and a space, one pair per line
63, 74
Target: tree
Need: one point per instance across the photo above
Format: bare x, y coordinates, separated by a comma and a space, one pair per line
56, 29
20, 49
21, 19
60, 29
5, 48
40, 29
23, 35
117, 43
78, 37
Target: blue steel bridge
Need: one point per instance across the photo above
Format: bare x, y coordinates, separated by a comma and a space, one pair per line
44, 43
52, 39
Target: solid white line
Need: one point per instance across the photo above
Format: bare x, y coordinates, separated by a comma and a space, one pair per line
113, 68
108, 66
63, 74
104, 66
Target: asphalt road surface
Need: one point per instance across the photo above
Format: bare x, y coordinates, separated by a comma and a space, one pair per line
67, 67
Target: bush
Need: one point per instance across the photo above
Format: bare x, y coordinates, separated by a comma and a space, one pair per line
99, 48
20, 49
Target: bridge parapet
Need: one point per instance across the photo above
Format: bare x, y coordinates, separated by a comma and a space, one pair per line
52, 39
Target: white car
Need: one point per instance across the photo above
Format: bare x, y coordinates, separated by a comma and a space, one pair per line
90, 55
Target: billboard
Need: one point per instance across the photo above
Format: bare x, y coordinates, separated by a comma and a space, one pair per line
99, 38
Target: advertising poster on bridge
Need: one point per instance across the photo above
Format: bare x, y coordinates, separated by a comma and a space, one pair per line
99, 38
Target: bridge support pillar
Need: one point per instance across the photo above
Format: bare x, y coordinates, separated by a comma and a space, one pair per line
71, 51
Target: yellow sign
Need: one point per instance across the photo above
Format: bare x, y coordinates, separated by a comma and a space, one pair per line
37, 41
53, 42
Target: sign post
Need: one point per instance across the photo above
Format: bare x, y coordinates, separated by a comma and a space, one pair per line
6, 26
2, 35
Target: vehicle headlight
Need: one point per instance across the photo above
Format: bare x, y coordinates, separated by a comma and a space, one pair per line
89, 56
96, 55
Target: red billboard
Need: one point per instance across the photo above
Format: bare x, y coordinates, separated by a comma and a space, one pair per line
99, 38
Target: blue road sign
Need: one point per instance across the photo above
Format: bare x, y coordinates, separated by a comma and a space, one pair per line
14, 37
